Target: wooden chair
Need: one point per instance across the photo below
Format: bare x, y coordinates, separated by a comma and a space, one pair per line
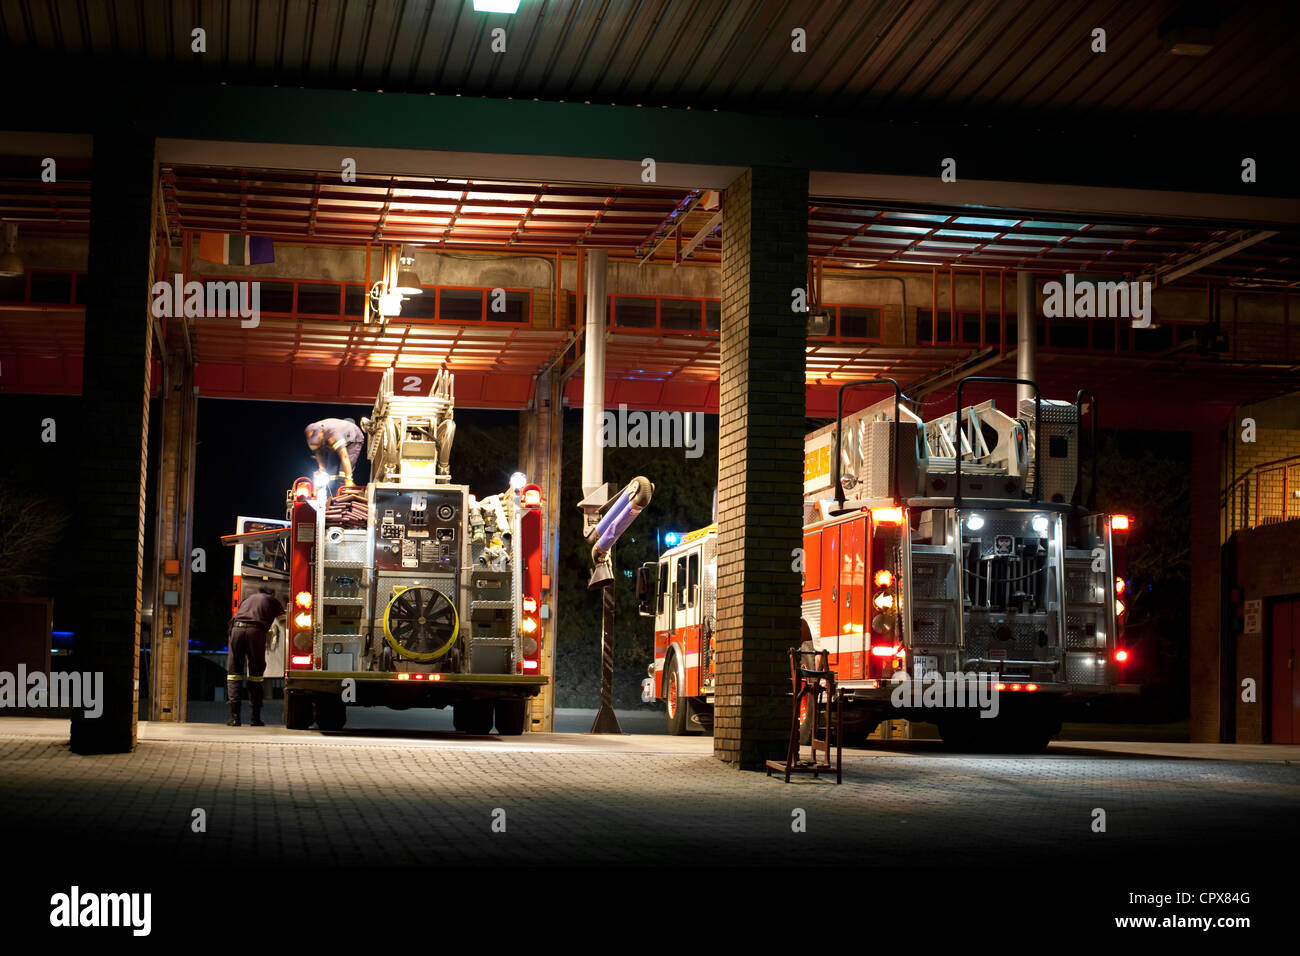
812, 682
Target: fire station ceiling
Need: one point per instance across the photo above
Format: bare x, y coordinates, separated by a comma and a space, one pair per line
637, 221
314, 357
1024, 61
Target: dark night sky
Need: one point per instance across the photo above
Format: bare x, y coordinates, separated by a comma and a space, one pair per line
248, 454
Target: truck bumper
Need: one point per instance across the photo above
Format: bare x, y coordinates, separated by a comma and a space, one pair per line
435, 690
881, 691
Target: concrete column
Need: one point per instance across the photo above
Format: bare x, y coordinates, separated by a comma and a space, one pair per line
108, 543
1207, 665
1026, 336
169, 670
760, 461
541, 429
593, 385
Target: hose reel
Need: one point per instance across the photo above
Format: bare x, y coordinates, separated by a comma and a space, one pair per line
421, 623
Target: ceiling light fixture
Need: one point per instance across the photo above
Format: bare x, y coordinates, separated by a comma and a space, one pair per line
496, 6
408, 283
1190, 30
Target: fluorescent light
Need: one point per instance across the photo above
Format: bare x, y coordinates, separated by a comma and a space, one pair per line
496, 6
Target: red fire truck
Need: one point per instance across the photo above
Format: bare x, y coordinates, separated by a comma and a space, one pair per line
945, 565
426, 597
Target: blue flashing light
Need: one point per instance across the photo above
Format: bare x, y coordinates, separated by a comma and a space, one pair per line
671, 538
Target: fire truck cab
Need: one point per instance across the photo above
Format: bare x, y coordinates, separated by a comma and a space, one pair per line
948, 567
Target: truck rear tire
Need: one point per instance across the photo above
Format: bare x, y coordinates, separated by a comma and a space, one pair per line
676, 705
959, 734
331, 712
511, 717
473, 717
297, 710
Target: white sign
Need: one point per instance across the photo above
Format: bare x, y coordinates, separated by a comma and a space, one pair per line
1254, 613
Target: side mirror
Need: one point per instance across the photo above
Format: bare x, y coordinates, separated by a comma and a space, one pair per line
644, 590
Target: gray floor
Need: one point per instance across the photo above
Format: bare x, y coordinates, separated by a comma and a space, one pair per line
364, 796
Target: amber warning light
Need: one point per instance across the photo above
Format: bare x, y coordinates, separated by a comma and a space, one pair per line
887, 515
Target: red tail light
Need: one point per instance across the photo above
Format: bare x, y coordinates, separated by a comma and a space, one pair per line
1121, 655
1120, 522
530, 596
302, 542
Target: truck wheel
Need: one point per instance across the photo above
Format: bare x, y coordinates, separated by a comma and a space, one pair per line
473, 717
678, 709
297, 710
1031, 737
331, 713
958, 734
511, 717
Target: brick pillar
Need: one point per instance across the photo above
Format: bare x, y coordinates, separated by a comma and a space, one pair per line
109, 547
760, 461
169, 670
1206, 664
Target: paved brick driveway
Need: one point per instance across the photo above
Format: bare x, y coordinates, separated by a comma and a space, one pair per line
280, 797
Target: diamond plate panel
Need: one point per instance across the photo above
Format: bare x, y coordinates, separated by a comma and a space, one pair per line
931, 627
931, 577
1084, 669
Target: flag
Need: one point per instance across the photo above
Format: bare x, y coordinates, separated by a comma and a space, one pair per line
233, 249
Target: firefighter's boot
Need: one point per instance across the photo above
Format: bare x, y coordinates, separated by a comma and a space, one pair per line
255, 699
232, 692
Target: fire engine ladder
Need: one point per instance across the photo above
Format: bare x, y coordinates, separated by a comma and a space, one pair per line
342, 585
976, 454
935, 593
412, 433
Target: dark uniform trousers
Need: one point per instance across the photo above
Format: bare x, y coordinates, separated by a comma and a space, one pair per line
247, 648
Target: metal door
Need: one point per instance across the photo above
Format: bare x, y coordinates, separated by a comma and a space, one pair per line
853, 599
1284, 687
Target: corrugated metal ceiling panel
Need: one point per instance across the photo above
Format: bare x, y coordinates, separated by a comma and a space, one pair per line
984, 60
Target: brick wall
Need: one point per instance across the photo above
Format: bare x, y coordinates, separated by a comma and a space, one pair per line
1264, 567
110, 506
760, 473
1261, 535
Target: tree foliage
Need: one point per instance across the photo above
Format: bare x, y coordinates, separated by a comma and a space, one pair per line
31, 527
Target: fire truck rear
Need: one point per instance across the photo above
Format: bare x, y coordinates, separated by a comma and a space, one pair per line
949, 569
429, 599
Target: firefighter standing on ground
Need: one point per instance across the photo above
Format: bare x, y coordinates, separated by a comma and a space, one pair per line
339, 438
248, 647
